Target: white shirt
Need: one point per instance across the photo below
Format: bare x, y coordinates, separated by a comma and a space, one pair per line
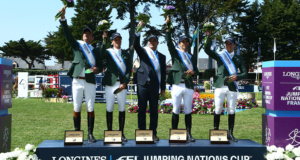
231, 54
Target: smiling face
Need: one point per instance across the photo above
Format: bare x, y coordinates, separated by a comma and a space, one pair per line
229, 46
153, 43
184, 45
117, 42
87, 37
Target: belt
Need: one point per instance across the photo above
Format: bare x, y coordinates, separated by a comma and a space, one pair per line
147, 82
80, 77
182, 81
118, 80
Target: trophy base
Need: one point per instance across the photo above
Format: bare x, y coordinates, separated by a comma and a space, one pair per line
112, 137
144, 137
178, 136
218, 136
73, 138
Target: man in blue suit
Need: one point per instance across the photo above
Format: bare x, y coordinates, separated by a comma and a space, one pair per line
150, 79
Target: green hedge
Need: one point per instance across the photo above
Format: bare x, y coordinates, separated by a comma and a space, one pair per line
36, 71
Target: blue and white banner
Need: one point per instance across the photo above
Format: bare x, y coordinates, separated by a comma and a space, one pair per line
88, 53
155, 62
186, 59
119, 60
229, 65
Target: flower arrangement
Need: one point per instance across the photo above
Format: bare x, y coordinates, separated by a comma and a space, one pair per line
21, 154
142, 17
209, 26
67, 3
103, 25
206, 96
279, 153
259, 82
64, 97
133, 108
246, 103
202, 104
166, 108
243, 82
168, 11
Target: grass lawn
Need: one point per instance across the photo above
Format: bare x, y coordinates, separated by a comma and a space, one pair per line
34, 121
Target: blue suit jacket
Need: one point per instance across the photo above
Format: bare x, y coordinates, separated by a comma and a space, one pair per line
146, 68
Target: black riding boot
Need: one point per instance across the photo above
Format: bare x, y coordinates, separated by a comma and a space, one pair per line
77, 121
91, 137
216, 121
188, 125
122, 124
230, 136
109, 119
175, 120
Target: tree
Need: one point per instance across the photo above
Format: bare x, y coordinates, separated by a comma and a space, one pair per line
129, 6
32, 50
89, 13
280, 19
192, 12
249, 34
58, 45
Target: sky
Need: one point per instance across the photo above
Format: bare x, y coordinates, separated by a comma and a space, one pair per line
33, 19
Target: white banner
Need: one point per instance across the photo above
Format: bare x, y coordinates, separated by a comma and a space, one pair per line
23, 84
186, 59
155, 62
118, 60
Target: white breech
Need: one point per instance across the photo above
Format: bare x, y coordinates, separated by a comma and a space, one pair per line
231, 97
80, 87
178, 92
110, 97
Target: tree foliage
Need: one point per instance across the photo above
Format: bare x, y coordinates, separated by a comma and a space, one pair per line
280, 19
29, 51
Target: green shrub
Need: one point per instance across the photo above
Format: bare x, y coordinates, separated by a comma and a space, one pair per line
206, 85
49, 91
167, 95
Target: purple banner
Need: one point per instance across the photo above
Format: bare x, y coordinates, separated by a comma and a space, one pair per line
276, 132
6, 86
281, 88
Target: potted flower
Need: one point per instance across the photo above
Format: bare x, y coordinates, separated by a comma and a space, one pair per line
63, 99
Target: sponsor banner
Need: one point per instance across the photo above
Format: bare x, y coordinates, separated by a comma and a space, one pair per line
281, 86
162, 150
5, 133
275, 131
5, 86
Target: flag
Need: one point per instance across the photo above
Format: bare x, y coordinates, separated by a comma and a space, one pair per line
213, 45
195, 36
238, 51
259, 51
274, 50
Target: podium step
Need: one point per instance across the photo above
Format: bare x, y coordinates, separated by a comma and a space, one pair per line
161, 150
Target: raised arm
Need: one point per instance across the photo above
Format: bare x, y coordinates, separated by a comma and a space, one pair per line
66, 30
103, 52
170, 44
136, 44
